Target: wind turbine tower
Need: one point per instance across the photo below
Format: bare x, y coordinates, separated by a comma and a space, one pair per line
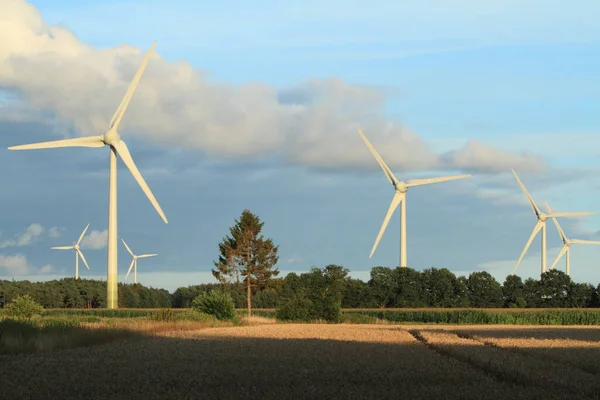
134, 261
566, 249
112, 139
400, 199
541, 224
78, 252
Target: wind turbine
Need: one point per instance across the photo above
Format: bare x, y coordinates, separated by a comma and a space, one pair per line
400, 199
541, 224
78, 252
112, 139
566, 249
134, 261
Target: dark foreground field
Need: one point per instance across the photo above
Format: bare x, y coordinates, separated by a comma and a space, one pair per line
310, 361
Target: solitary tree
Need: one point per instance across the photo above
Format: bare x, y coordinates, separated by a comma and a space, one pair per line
246, 256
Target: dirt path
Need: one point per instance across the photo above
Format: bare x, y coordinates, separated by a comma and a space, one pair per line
279, 361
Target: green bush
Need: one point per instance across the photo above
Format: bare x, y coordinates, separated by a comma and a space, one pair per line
295, 308
23, 307
217, 303
316, 295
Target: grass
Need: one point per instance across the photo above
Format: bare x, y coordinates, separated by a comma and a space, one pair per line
58, 329
45, 335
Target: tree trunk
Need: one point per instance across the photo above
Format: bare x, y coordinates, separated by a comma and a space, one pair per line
248, 296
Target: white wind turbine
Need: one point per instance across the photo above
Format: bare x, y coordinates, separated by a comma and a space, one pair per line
112, 139
400, 198
78, 252
134, 261
566, 249
541, 224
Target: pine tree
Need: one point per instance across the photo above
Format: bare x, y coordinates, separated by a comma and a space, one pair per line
246, 255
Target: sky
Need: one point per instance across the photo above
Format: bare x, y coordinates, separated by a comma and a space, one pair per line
255, 106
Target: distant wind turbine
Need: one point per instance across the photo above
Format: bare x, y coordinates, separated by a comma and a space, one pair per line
112, 139
400, 198
566, 249
541, 224
134, 261
78, 252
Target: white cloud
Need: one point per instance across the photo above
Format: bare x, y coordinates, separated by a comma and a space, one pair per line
17, 265
95, 240
311, 124
478, 156
295, 259
55, 232
14, 265
46, 269
31, 234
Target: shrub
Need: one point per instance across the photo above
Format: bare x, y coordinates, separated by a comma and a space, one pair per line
316, 295
217, 303
23, 307
295, 308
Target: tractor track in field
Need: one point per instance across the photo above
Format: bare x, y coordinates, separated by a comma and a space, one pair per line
491, 372
506, 366
523, 352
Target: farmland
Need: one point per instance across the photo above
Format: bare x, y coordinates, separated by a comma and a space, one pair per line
177, 354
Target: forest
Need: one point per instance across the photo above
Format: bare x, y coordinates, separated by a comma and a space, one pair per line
386, 288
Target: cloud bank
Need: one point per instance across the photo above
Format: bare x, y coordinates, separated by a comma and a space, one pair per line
312, 124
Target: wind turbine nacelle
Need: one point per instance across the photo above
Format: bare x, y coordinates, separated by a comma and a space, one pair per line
110, 137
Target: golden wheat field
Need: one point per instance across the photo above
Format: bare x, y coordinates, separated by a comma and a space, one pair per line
267, 360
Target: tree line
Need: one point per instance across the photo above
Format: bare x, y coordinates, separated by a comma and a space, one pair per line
386, 288
246, 269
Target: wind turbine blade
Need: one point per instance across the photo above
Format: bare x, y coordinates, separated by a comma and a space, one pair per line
129, 270
89, 141
123, 152
147, 255
427, 181
534, 206
386, 170
535, 231
558, 227
83, 234
120, 111
396, 200
571, 214
83, 258
127, 247
579, 241
560, 254
62, 247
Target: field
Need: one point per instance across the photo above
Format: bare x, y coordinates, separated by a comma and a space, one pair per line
171, 357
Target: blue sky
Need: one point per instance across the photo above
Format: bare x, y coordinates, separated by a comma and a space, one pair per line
253, 106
